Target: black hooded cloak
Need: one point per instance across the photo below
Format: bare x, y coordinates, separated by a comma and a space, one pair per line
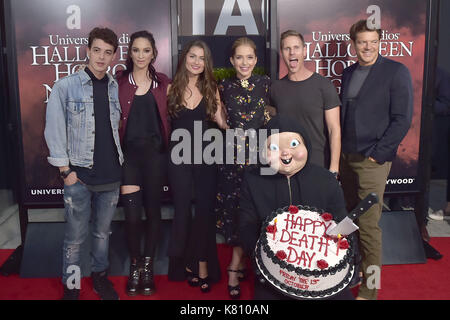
262, 194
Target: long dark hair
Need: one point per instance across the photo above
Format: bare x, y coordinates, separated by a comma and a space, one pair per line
206, 82
129, 63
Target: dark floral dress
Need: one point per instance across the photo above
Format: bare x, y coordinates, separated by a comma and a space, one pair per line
245, 102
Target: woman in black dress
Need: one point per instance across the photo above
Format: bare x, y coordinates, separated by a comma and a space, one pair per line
245, 97
194, 107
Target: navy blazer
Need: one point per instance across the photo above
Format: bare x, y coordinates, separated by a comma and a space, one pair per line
384, 108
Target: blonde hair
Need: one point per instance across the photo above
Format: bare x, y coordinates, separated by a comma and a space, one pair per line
290, 33
243, 41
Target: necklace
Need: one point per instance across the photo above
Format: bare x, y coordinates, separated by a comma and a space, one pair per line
244, 83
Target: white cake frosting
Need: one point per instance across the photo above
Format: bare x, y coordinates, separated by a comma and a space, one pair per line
299, 258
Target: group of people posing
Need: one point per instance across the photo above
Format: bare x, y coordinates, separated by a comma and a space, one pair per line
115, 136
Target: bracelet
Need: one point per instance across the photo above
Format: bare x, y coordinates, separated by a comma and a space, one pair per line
65, 174
335, 173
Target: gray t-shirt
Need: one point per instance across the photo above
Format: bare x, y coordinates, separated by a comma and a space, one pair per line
306, 101
357, 80
349, 128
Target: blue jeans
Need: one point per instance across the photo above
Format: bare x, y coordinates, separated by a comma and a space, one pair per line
78, 203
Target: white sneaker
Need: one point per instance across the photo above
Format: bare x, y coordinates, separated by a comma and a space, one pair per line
436, 215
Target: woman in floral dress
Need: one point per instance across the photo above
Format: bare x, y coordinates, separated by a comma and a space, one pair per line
245, 97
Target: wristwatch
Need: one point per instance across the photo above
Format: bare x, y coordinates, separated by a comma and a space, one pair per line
65, 174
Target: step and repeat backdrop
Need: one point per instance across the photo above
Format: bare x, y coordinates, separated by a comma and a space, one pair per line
51, 40
220, 22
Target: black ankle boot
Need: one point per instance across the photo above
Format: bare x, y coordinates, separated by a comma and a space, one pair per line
133, 279
147, 285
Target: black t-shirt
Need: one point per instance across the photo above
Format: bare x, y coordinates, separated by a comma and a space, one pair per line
143, 125
306, 101
106, 169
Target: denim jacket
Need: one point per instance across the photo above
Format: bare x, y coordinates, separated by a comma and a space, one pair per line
70, 123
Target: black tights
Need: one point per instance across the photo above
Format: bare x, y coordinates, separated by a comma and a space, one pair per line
132, 204
143, 167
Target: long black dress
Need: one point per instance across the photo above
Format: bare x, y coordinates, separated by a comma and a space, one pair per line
245, 102
193, 237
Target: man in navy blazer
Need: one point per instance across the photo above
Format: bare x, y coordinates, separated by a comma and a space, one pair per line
376, 113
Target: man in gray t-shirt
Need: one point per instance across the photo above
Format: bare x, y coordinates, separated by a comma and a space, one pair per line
312, 100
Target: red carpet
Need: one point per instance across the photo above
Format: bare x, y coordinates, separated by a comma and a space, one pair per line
430, 281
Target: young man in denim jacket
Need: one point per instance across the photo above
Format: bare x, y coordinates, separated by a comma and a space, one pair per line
81, 132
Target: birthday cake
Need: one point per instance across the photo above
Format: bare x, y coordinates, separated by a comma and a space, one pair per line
296, 255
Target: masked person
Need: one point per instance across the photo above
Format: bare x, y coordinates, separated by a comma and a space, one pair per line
295, 181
